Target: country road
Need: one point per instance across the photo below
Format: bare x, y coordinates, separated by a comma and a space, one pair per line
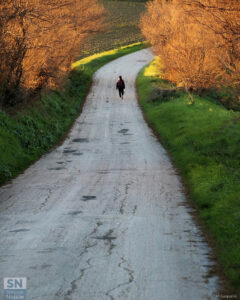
104, 215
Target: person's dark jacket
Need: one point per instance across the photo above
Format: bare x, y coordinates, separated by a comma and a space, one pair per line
120, 84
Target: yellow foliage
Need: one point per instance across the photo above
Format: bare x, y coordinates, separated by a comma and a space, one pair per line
39, 39
198, 41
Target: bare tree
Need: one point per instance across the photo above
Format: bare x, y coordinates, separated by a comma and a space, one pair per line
221, 19
39, 40
198, 41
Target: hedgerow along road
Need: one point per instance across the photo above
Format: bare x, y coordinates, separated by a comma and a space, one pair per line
104, 215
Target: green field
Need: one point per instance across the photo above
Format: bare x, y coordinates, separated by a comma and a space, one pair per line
203, 139
120, 27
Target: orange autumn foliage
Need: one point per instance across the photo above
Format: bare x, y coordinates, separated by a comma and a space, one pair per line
197, 41
39, 40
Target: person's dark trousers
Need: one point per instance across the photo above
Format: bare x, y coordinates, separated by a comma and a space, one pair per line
121, 92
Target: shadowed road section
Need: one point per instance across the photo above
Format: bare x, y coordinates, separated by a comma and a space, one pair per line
103, 216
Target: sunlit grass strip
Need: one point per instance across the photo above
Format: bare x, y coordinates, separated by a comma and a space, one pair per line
203, 139
119, 51
153, 69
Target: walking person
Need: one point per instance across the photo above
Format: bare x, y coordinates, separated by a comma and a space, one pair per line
120, 86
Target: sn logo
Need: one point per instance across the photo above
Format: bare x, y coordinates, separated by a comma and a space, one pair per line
15, 283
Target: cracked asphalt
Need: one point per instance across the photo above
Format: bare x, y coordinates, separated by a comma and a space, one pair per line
104, 215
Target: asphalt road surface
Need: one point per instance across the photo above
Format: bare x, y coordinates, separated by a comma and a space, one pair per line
104, 215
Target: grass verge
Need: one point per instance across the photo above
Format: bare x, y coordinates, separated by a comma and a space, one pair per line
203, 139
25, 136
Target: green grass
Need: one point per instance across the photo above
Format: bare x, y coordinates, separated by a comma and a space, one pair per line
25, 136
120, 27
203, 140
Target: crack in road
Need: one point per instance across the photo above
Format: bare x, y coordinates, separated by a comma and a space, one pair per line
82, 270
123, 202
126, 283
134, 209
79, 278
43, 204
108, 238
